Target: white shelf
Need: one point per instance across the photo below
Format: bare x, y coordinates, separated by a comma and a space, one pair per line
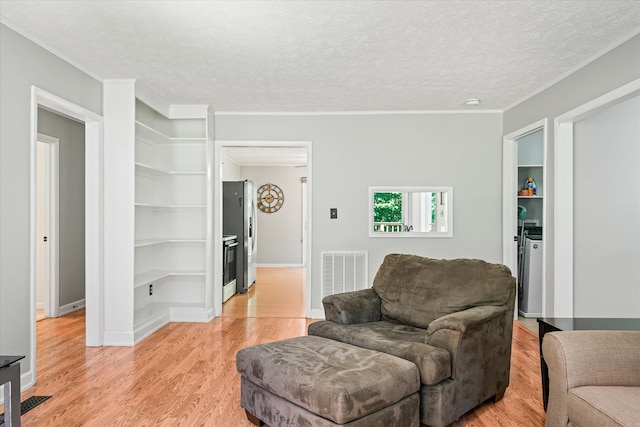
155, 275
150, 135
188, 140
530, 197
150, 170
159, 241
153, 316
531, 166
175, 173
150, 312
154, 206
141, 168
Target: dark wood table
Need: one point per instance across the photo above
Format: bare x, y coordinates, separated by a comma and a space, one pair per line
10, 381
552, 324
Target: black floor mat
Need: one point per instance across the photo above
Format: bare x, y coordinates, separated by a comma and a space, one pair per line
28, 405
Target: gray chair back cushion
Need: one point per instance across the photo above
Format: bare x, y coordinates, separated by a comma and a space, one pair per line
415, 290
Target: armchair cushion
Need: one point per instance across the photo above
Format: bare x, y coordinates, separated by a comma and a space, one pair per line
415, 291
406, 342
604, 406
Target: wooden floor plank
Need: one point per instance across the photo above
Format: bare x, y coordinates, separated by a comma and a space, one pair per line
185, 375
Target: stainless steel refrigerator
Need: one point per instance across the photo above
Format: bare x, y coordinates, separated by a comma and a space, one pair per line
239, 218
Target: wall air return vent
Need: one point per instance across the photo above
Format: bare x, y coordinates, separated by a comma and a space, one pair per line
343, 271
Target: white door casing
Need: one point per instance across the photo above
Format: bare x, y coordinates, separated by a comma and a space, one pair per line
563, 193
94, 196
217, 226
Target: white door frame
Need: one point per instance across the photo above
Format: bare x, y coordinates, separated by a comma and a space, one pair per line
52, 303
94, 224
217, 226
510, 202
563, 193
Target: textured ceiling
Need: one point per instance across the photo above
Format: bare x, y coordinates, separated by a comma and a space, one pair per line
329, 55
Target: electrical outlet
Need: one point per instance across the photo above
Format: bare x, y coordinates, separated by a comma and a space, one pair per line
150, 289
333, 213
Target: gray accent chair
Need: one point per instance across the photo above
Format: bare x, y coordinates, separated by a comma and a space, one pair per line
452, 318
594, 378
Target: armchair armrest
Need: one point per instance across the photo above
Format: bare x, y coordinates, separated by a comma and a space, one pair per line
353, 307
479, 342
583, 358
462, 321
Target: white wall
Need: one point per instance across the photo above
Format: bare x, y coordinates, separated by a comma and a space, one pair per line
230, 170
607, 212
279, 233
353, 152
71, 198
23, 64
615, 68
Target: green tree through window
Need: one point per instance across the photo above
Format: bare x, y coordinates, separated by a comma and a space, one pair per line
387, 207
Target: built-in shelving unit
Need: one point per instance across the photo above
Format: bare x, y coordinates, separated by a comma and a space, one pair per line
530, 164
164, 164
170, 219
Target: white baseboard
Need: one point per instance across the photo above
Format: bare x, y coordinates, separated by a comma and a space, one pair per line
70, 308
118, 339
40, 306
316, 313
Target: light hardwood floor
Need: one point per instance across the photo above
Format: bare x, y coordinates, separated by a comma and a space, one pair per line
185, 375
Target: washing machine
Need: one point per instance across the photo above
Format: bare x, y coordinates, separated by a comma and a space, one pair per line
530, 289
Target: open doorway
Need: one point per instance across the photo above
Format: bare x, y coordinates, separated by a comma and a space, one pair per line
281, 164
524, 216
65, 243
92, 208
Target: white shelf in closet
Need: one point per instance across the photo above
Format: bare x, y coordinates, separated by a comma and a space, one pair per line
530, 166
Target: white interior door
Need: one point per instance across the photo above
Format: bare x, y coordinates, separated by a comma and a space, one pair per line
47, 257
43, 260
304, 220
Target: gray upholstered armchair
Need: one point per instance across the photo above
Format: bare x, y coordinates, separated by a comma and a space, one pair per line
452, 318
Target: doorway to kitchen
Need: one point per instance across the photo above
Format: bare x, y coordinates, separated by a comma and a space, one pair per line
269, 164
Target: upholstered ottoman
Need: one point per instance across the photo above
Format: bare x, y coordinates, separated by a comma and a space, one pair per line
315, 381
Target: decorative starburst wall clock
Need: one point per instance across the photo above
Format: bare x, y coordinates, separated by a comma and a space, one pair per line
270, 198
